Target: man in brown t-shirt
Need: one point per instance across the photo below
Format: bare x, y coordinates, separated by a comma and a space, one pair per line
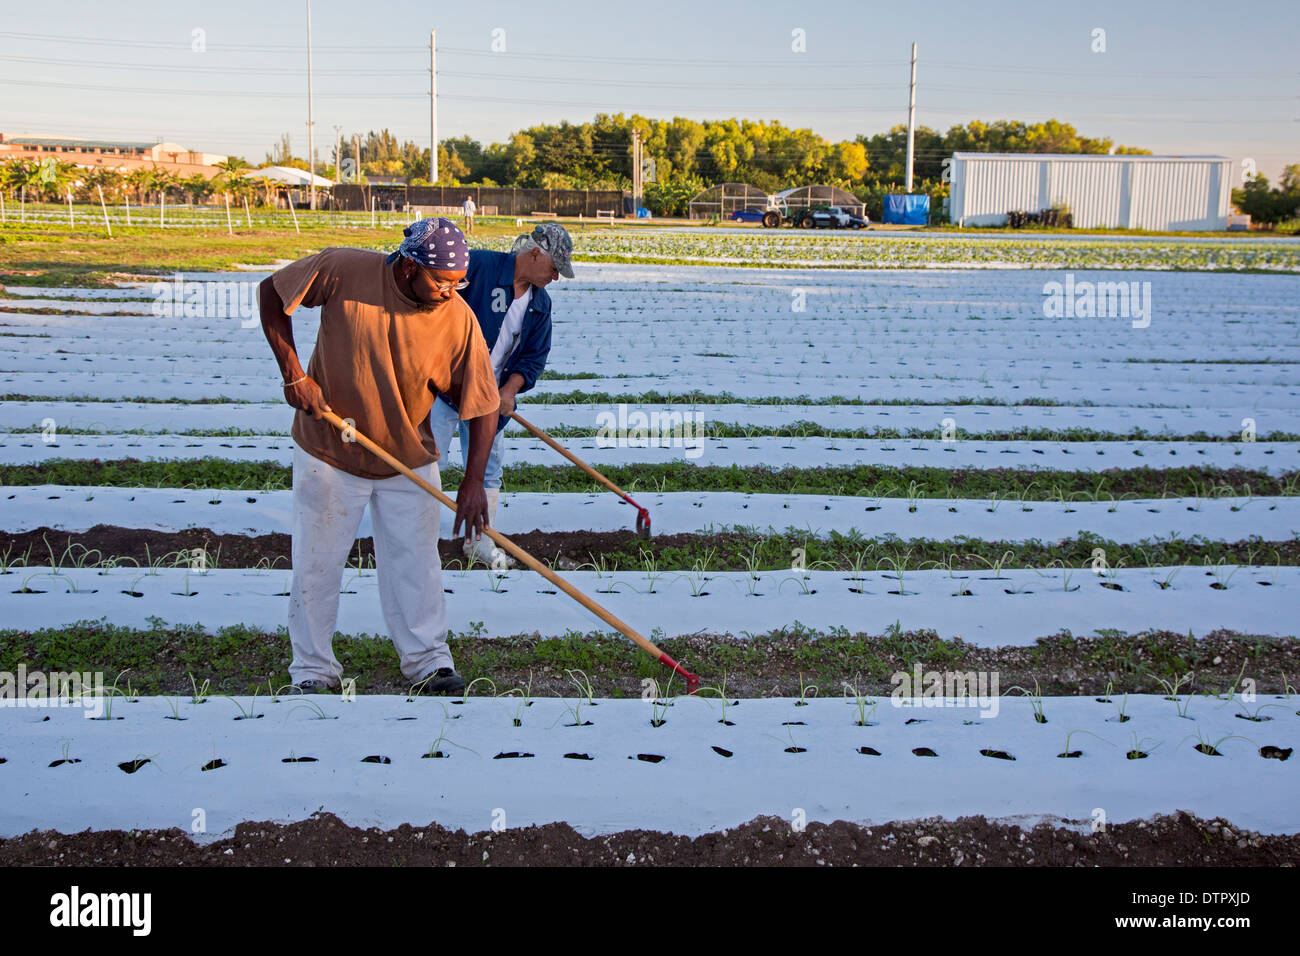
393, 333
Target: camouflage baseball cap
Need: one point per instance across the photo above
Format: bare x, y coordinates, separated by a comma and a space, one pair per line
553, 239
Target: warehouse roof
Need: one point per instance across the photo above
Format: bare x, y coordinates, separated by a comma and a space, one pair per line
1079, 156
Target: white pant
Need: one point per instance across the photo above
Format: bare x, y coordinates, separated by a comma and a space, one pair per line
327, 507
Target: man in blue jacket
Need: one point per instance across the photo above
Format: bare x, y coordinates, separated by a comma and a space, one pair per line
507, 291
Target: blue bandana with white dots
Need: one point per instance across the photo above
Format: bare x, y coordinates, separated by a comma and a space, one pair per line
435, 243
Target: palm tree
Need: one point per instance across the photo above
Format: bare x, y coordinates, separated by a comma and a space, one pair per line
268, 187
13, 175
198, 186
140, 180
164, 181
106, 179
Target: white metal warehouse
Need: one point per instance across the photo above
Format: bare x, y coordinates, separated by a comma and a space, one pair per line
1128, 192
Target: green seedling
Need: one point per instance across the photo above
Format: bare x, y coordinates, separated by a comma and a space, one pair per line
246, 714
805, 691
866, 707
720, 690
1035, 700
435, 748
752, 564
109, 693
660, 703
1211, 748
793, 748
1135, 751
899, 568
1254, 714
652, 570
317, 711
1236, 682
1120, 709
583, 683
1216, 570
200, 692
1167, 581
914, 494
464, 697
1079, 753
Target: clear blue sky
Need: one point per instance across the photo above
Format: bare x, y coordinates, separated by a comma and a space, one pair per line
1176, 77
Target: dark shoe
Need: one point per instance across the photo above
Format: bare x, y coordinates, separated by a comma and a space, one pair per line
316, 687
443, 681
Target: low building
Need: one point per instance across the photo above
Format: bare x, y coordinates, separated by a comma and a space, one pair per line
1102, 192
124, 156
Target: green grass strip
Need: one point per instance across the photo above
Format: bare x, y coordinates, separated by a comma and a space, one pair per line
161, 658
914, 483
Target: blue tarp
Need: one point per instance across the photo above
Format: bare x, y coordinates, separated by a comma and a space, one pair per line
909, 210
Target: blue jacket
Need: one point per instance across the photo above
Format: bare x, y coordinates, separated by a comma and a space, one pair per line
491, 290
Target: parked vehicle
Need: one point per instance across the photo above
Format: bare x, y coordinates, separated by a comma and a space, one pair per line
818, 217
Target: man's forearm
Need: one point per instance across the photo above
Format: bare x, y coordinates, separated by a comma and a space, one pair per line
278, 328
482, 431
513, 384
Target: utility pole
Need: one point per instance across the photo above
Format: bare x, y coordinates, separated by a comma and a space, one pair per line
636, 171
338, 156
311, 125
911, 120
433, 106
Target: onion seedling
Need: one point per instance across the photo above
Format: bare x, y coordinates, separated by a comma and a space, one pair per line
721, 690
245, 714
899, 567
866, 707
1120, 708
1079, 753
1254, 715
1236, 681
435, 747
1172, 686
583, 683
200, 694
804, 692
317, 710
1215, 569
1211, 749
464, 697
1136, 752
1035, 700
652, 571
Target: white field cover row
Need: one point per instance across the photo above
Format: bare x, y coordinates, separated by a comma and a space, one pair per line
900, 336
193, 381
276, 418
799, 763
639, 449
255, 512
1014, 607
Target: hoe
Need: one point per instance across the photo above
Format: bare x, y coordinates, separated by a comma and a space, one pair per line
692, 680
642, 516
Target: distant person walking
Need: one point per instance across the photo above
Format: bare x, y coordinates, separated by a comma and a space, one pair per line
469, 209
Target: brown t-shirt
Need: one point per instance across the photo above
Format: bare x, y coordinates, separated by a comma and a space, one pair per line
380, 359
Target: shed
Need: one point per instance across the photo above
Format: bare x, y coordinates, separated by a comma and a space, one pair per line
1126, 192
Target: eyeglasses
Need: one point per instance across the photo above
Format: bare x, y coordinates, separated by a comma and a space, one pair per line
449, 286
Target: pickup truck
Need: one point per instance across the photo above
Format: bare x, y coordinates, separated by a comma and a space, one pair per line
819, 217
